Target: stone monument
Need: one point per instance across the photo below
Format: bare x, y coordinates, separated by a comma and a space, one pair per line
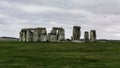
76, 33
93, 35
86, 36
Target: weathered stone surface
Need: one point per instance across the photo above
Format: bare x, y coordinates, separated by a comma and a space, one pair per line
24, 35
40, 34
57, 34
29, 35
72, 38
93, 35
43, 36
61, 34
21, 36
76, 32
52, 38
86, 36
53, 32
36, 35
48, 37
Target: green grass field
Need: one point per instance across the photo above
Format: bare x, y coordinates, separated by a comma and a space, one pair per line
59, 55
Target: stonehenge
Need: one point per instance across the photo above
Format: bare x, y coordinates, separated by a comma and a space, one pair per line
57, 34
40, 34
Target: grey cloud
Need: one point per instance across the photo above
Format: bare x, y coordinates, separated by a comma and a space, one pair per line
95, 6
102, 15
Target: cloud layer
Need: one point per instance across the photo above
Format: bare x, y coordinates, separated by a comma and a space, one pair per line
101, 15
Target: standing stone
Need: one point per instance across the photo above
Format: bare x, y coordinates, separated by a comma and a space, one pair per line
52, 37
48, 37
24, 35
72, 38
76, 32
21, 36
43, 36
86, 36
61, 34
57, 34
93, 35
29, 35
36, 34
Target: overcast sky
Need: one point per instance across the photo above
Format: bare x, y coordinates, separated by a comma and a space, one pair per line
100, 15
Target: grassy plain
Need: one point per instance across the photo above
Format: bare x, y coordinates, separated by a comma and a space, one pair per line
60, 55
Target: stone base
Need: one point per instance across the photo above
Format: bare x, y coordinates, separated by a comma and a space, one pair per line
77, 41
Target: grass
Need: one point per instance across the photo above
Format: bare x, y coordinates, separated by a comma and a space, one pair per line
60, 55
